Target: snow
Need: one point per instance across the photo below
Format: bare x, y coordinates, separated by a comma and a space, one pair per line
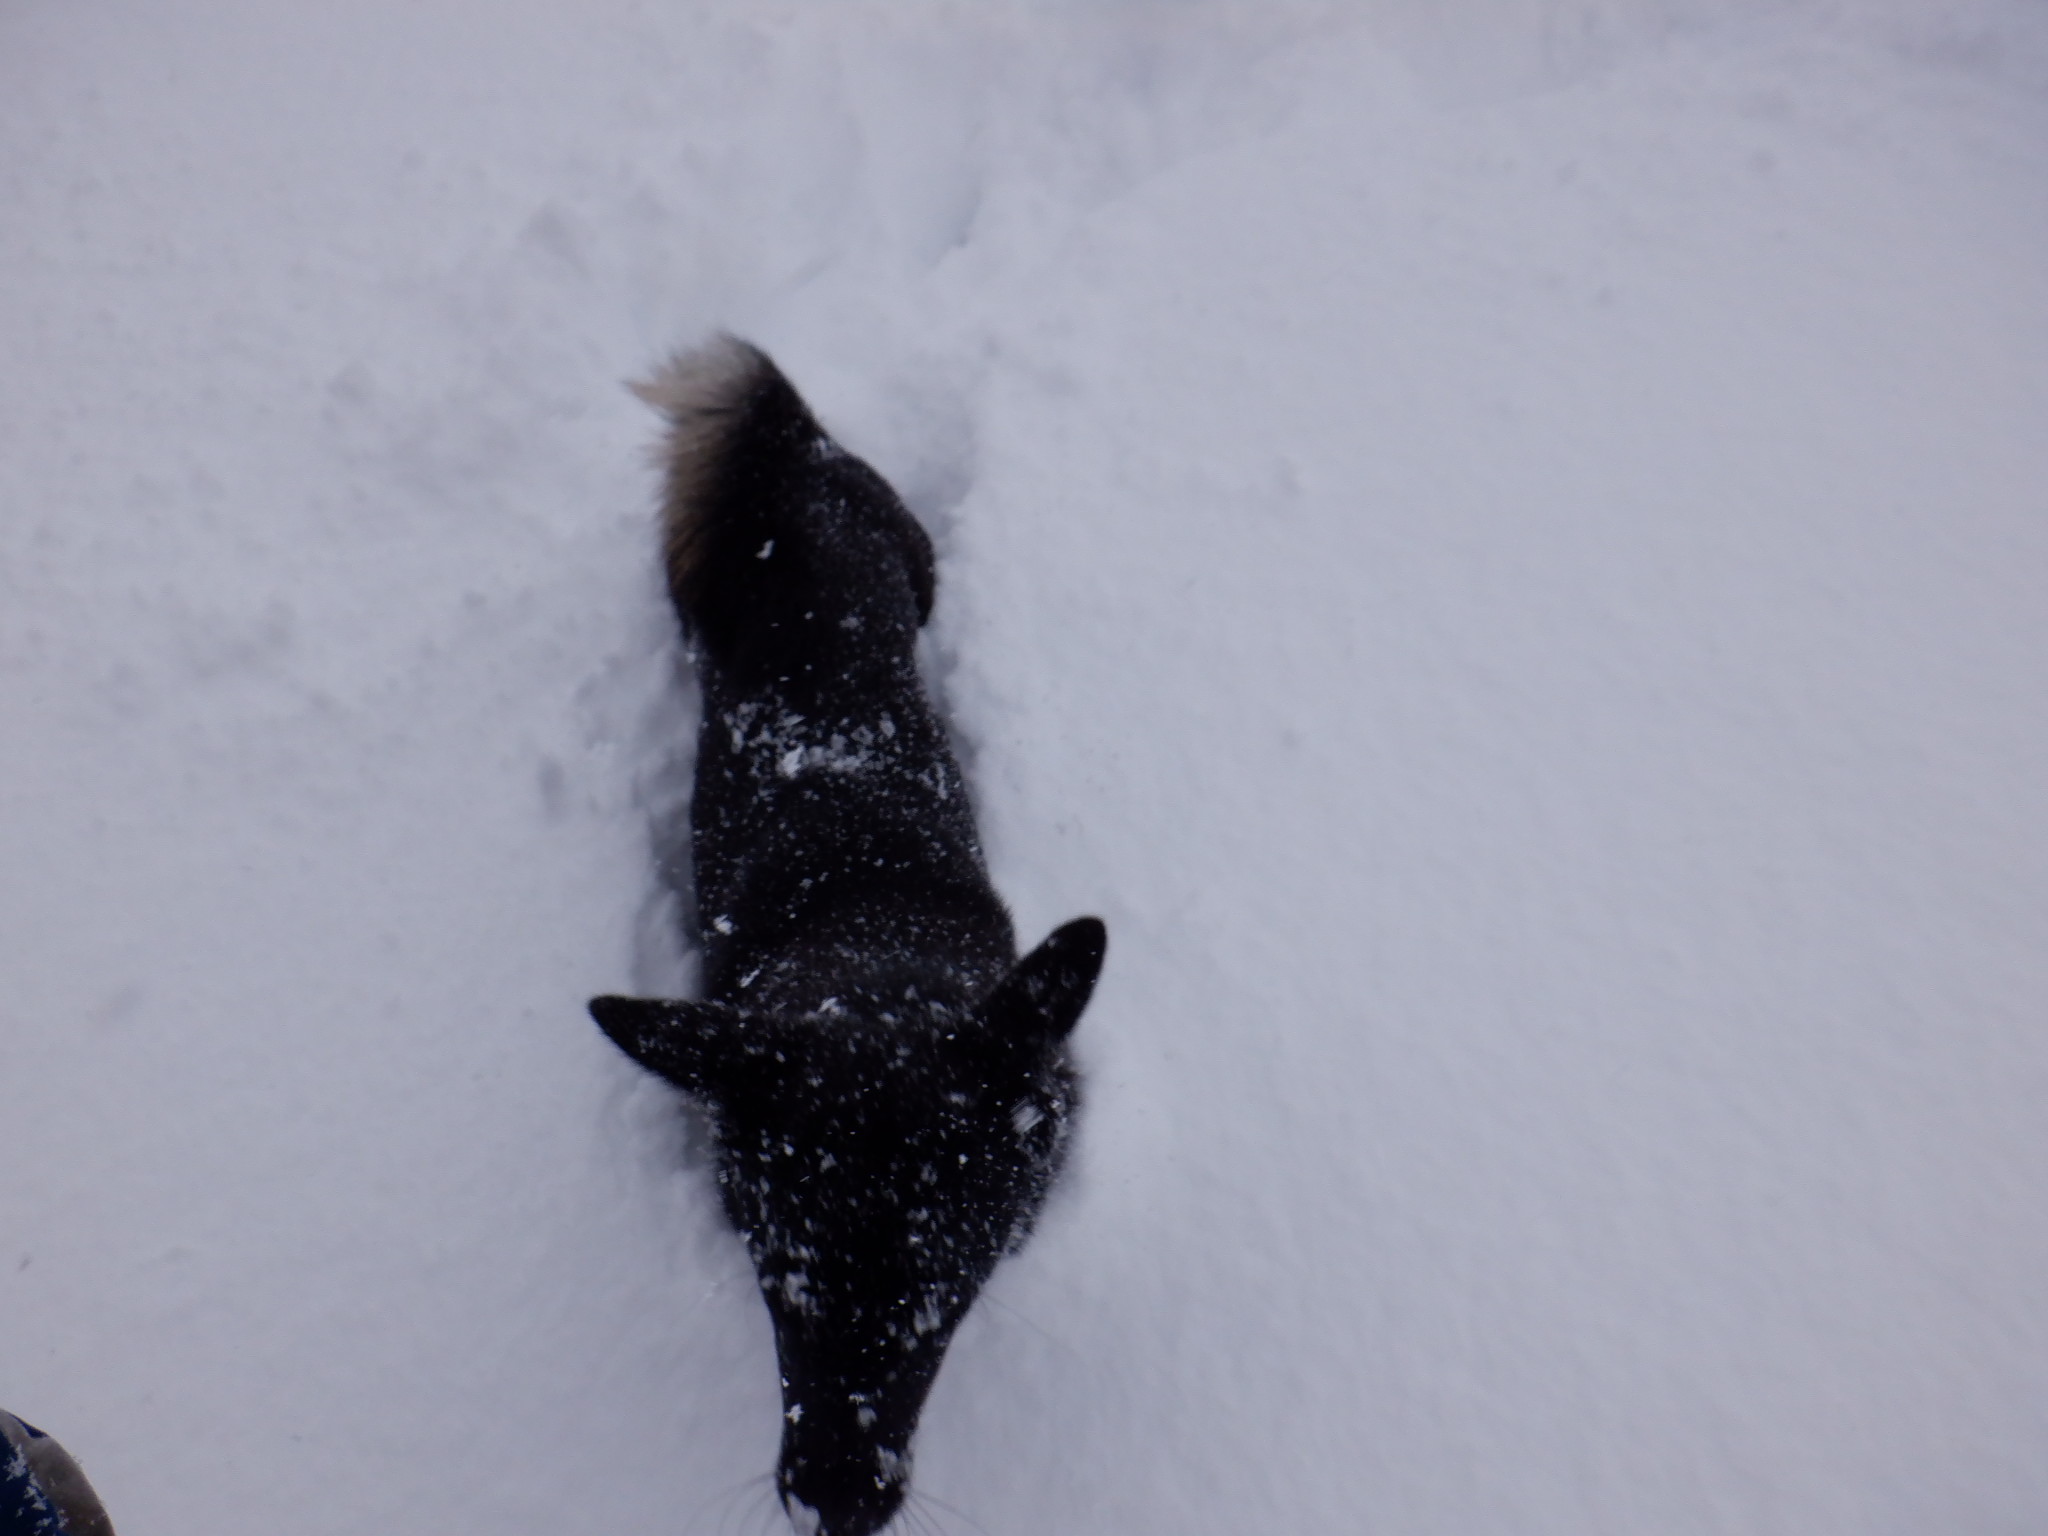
1499, 544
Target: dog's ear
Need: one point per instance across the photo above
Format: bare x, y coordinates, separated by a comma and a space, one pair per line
690, 1044
1042, 997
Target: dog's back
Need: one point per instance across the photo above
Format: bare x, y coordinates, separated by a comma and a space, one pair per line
836, 855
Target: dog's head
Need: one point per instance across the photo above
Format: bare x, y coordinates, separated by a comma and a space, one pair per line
878, 1169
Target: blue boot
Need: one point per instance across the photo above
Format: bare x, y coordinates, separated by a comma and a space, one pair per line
42, 1491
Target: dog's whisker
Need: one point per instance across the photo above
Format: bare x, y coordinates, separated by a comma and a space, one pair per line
722, 1502
926, 1521
764, 1510
954, 1510
1029, 1322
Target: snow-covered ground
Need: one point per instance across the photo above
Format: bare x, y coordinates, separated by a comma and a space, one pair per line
1501, 544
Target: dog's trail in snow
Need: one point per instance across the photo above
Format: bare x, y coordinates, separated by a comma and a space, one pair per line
1503, 535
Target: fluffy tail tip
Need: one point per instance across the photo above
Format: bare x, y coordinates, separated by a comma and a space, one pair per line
705, 393
710, 380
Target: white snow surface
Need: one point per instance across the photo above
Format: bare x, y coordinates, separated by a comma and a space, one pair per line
1501, 544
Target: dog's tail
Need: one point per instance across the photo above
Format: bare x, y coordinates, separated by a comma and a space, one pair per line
785, 554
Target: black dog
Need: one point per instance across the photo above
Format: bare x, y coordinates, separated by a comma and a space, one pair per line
888, 1084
